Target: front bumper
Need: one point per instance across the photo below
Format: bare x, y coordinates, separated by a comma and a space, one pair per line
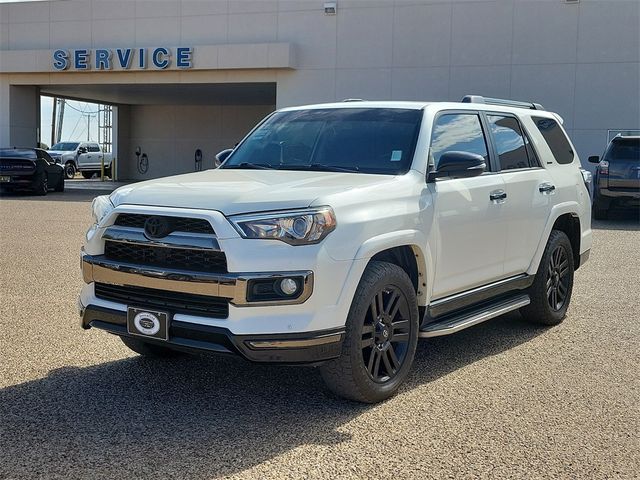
234, 286
296, 348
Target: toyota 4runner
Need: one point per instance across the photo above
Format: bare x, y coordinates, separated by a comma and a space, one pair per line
337, 235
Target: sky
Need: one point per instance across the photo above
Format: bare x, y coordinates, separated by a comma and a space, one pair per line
74, 125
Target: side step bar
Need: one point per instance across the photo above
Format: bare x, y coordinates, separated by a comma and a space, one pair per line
474, 317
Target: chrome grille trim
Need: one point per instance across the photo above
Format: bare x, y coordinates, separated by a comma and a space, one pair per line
192, 241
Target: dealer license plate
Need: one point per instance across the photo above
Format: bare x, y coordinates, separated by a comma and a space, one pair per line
148, 323
5, 179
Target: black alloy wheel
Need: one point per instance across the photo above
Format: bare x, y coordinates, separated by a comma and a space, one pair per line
381, 335
43, 186
69, 170
552, 286
558, 278
385, 334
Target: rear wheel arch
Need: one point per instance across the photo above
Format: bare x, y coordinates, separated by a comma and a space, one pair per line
569, 223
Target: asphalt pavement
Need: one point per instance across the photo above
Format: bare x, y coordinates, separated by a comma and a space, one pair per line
504, 399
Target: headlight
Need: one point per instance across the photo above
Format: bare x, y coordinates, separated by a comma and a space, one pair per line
100, 208
297, 227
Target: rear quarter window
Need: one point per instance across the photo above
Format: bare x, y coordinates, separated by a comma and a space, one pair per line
555, 138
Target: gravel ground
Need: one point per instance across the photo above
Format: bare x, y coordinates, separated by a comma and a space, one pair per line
501, 400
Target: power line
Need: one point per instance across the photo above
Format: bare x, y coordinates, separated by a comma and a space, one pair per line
82, 111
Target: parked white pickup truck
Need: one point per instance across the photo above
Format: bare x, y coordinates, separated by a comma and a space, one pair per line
83, 157
337, 235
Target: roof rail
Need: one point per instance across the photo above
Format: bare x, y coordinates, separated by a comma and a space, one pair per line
501, 101
353, 100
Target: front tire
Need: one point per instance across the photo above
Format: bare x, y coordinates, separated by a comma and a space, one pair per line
69, 170
381, 337
551, 290
147, 349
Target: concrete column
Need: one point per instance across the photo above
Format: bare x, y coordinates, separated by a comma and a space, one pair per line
121, 149
19, 114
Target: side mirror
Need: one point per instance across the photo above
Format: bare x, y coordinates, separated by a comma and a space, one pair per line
458, 165
82, 150
221, 157
594, 159
57, 160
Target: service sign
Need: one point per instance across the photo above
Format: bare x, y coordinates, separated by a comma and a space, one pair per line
158, 58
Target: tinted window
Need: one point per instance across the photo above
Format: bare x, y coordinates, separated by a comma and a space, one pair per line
457, 132
367, 140
64, 146
17, 153
555, 138
624, 150
509, 141
93, 148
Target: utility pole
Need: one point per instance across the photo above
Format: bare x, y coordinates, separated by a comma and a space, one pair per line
88, 127
53, 121
62, 102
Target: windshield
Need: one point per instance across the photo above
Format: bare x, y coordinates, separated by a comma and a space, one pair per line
365, 140
65, 146
626, 149
17, 153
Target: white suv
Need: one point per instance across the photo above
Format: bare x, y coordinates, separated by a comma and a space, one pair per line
336, 235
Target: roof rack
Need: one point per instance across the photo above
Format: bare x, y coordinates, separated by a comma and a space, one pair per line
501, 101
353, 100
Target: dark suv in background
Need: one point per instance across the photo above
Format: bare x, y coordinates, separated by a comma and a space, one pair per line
617, 176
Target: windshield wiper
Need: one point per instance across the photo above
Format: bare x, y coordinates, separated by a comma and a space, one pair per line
257, 166
320, 167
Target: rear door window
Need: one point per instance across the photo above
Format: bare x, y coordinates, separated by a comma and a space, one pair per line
555, 138
511, 144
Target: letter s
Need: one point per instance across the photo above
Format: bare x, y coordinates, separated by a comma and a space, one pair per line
60, 60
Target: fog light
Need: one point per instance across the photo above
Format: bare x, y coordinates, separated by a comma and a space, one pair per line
288, 286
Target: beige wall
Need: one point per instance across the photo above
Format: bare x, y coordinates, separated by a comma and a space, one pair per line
170, 134
579, 59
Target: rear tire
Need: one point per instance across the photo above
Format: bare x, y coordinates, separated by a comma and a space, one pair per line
60, 185
551, 290
43, 187
600, 211
147, 349
381, 337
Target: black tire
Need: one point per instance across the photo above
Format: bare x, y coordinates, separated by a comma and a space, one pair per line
107, 172
87, 175
600, 211
43, 187
69, 170
551, 290
147, 349
60, 184
386, 340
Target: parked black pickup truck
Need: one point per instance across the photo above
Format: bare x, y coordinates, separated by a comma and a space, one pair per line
30, 169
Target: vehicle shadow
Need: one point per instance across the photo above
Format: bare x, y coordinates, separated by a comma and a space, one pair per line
66, 196
619, 220
197, 417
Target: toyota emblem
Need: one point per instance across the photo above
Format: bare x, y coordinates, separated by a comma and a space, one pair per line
156, 227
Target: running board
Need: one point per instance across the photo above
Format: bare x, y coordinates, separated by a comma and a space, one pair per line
474, 317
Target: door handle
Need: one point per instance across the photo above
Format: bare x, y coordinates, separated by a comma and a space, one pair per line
498, 196
547, 188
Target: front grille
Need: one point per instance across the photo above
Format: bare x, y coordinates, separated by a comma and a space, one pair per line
164, 300
163, 257
177, 224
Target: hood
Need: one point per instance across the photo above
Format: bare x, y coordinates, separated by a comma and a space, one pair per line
59, 152
232, 191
